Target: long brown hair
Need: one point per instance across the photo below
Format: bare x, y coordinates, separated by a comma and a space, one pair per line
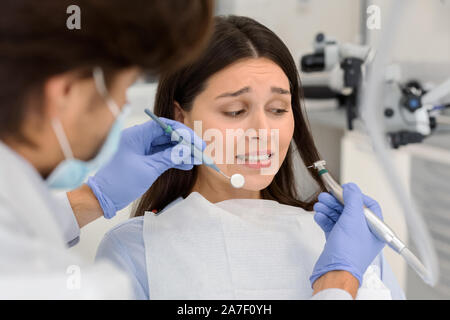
233, 38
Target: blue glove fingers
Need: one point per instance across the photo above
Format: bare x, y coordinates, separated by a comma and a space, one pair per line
330, 201
373, 205
162, 147
178, 157
185, 155
324, 222
329, 212
352, 199
161, 140
192, 138
186, 132
354, 192
150, 131
165, 159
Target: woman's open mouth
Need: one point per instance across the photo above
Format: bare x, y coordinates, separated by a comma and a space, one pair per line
256, 160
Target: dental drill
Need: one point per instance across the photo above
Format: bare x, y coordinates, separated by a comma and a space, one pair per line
382, 231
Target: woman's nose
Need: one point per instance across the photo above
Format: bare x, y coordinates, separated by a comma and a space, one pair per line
260, 125
260, 121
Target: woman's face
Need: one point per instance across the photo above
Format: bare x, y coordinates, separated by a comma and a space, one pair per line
246, 120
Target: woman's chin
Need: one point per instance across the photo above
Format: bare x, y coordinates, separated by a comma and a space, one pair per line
257, 182
256, 179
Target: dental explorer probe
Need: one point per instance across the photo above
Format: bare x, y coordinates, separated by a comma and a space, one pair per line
382, 231
236, 180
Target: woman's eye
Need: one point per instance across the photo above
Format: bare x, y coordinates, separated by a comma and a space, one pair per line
278, 111
234, 113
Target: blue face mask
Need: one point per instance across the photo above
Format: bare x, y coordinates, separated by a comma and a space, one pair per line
71, 172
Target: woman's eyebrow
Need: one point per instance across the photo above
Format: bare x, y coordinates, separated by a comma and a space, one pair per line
279, 90
247, 89
234, 94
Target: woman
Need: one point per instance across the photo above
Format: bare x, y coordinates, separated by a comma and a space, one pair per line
211, 241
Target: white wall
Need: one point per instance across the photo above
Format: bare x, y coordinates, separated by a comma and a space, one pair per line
297, 22
424, 31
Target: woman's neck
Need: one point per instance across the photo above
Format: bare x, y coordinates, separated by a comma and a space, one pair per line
214, 189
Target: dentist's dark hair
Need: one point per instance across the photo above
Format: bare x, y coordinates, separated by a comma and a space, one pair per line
234, 38
36, 43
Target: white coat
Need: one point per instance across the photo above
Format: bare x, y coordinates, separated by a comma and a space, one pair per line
35, 227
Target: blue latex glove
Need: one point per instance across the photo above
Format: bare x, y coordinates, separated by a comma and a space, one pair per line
144, 154
350, 245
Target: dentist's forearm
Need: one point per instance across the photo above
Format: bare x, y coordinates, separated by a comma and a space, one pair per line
339, 279
85, 205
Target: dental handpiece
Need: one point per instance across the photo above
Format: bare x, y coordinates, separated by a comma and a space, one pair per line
236, 180
381, 230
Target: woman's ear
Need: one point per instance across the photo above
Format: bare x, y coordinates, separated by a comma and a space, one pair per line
179, 112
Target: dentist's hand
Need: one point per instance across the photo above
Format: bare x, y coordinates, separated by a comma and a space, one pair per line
144, 153
350, 245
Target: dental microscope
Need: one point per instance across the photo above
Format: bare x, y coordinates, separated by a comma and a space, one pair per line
410, 112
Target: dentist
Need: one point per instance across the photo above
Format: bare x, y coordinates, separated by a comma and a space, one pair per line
61, 115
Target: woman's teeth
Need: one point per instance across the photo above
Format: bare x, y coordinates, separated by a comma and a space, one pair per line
255, 158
